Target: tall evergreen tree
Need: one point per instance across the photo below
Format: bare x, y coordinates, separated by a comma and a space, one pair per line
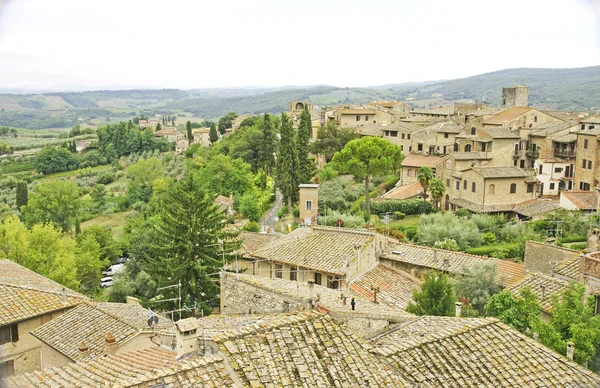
306, 166
287, 161
22, 194
158, 127
213, 135
188, 128
268, 147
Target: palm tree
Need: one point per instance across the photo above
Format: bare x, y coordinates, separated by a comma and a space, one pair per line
425, 175
437, 189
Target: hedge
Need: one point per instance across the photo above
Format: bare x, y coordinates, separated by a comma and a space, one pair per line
578, 247
408, 207
573, 238
489, 250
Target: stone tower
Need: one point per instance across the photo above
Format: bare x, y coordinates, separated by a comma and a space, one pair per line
309, 203
516, 96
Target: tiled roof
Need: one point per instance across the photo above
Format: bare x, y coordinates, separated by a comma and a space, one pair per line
527, 208
404, 192
501, 172
591, 120
506, 115
570, 268
500, 133
542, 285
551, 128
328, 298
422, 160
369, 130
442, 110
584, 200
91, 322
318, 248
570, 138
304, 350
215, 324
450, 128
483, 353
254, 241
142, 368
25, 294
426, 257
395, 288
469, 155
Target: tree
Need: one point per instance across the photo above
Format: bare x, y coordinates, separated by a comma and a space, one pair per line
4, 148
287, 161
188, 128
146, 171
89, 265
158, 127
425, 175
436, 296
522, 313
98, 195
55, 202
223, 175
306, 166
268, 146
75, 131
226, 122
478, 283
22, 194
213, 135
250, 206
438, 226
332, 138
55, 159
437, 189
367, 157
109, 248
188, 243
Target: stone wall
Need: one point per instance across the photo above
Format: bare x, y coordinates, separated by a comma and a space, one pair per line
541, 257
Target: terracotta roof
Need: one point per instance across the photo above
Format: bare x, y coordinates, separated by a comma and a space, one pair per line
500, 133
395, 287
304, 350
570, 138
442, 110
542, 286
450, 128
254, 241
501, 172
428, 258
570, 268
356, 111
215, 324
506, 115
584, 200
369, 130
25, 294
422, 160
484, 353
91, 322
200, 130
318, 248
142, 368
469, 155
551, 128
590, 120
404, 192
534, 207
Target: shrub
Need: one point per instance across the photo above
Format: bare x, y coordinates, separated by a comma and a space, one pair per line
578, 246
489, 238
462, 213
296, 212
327, 173
251, 226
500, 251
399, 215
569, 239
282, 212
448, 244
438, 226
350, 221
408, 207
105, 178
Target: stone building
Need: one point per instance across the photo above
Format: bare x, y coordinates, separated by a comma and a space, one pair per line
587, 159
202, 136
516, 96
412, 163
520, 118
309, 203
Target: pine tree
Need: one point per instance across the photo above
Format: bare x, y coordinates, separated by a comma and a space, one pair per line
306, 166
77, 226
287, 161
158, 127
266, 153
188, 127
22, 194
213, 135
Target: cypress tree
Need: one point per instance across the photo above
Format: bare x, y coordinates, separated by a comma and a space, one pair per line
266, 153
306, 165
213, 135
287, 161
188, 127
22, 194
77, 226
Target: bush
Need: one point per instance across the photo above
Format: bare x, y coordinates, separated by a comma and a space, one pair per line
349, 221
105, 178
448, 244
282, 212
578, 246
570, 239
489, 238
408, 207
251, 226
327, 173
438, 226
462, 213
296, 212
399, 215
499, 251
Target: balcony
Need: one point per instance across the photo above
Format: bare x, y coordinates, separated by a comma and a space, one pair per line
533, 154
564, 153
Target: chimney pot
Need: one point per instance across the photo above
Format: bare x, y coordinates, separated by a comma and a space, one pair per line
63, 294
110, 344
570, 350
458, 309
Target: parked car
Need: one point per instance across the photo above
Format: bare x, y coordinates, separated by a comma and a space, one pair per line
113, 270
122, 260
106, 282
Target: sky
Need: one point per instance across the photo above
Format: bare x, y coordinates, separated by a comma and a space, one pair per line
111, 44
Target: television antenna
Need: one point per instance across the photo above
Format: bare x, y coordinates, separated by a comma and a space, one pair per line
178, 299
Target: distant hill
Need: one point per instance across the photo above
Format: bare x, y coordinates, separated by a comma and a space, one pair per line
565, 89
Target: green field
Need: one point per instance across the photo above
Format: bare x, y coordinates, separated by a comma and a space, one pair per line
407, 221
115, 222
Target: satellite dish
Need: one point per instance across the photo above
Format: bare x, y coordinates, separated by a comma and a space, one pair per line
152, 321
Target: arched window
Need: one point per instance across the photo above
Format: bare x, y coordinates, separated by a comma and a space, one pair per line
535, 119
468, 148
491, 189
465, 184
455, 147
473, 187
473, 130
530, 188
513, 188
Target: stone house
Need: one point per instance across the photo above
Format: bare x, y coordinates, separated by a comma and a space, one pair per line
27, 301
412, 163
587, 159
399, 133
170, 135
225, 204
496, 143
446, 138
235, 124
181, 145
202, 136
441, 112
517, 118
399, 109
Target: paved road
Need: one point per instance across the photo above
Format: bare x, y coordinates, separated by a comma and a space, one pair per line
270, 219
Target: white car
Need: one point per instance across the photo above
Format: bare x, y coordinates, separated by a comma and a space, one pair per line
113, 270
106, 282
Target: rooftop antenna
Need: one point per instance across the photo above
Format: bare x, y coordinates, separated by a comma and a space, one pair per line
178, 299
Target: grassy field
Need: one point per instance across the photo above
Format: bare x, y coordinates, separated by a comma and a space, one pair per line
115, 221
407, 221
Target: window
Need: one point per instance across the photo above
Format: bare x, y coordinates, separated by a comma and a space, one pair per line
403, 136
419, 147
445, 135
535, 119
582, 126
473, 187
332, 282
9, 333
447, 182
366, 118
586, 187
513, 188
309, 205
409, 172
393, 134
491, 189
530, 188
589, 164
7, 368
552, 186
455, 147
580, 185
584, 164
279, 271
465, 184
408, 136
585, 144
468, 148
591, 126
515, 162
522, 164
557, 169
357, 118
482, 146
473, 130
317, 278
457, 185
293, 273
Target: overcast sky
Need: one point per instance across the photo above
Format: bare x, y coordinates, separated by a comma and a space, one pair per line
96, 44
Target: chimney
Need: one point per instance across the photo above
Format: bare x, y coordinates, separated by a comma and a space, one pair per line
311, 291
63, 295
458, 308
446, 263
84, 352
435, 255
110, 344
570, 350
375, 291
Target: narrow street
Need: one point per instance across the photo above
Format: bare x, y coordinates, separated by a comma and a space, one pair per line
268, 222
